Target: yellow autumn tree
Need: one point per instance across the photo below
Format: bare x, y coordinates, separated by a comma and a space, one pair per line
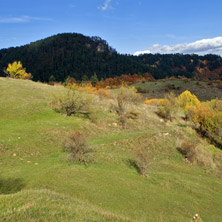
188, 102
15, 70
187, 99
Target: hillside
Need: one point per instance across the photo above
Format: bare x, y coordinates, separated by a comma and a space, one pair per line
38, 183
76, 55
203, 90
35, 205
72, 55
190, 65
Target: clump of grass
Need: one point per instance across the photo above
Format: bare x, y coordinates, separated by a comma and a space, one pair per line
78, 149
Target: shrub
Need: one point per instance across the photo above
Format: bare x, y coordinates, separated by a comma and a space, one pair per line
72, 102
127, 94
76, 146
103, 94
15, 70
122, 99
195, 153
142, 90
215, 104
187, 99
207, 118
154, 102
170, 86
141, 161
169, 107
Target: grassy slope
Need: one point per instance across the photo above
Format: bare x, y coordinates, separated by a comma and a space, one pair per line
203, 91
44, 205
31, 137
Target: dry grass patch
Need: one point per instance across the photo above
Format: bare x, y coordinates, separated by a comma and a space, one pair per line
195, 153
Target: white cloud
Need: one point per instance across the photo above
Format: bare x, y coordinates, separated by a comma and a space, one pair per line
22, 19
105, 6
201, 47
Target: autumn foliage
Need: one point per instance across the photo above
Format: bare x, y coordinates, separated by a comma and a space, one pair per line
154, 102
15, 70
124, 79
207, 117
187, 99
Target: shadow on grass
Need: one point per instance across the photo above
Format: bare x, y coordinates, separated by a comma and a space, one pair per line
182, 125
133, 164
11, 185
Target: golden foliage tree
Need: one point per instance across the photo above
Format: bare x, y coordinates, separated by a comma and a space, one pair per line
187, 99
15, 70
207, 118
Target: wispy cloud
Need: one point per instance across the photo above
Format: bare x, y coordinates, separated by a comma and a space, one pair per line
201, 47
106, 5
22, 19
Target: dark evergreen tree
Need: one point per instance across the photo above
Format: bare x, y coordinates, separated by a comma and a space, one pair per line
94, 79
85, 78
52, 78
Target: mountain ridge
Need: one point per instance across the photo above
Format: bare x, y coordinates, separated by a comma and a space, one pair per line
76, 55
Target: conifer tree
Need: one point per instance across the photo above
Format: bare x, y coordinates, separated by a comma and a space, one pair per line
94, 79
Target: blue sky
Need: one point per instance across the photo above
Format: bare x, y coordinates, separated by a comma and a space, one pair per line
129, 26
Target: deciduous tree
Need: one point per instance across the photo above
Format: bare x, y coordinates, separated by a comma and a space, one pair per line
15, 70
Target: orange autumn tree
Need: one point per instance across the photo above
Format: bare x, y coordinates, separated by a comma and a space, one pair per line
15, 70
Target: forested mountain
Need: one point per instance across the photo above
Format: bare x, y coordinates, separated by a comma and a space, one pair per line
76, 55
189, 65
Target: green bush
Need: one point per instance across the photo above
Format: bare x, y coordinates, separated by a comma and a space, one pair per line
73, 102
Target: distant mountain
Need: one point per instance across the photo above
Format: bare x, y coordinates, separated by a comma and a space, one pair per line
76, 55
72, 55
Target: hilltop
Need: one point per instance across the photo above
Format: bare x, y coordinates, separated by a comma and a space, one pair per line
76, 55
37, 182
69, 54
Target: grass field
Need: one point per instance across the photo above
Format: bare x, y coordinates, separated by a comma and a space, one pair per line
38, 183
201, 89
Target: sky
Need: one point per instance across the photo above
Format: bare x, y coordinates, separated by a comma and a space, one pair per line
129, 26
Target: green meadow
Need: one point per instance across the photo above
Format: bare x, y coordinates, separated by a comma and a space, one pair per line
38, 183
